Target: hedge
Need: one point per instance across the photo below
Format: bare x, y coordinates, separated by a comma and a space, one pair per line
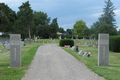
114, 43
66, 42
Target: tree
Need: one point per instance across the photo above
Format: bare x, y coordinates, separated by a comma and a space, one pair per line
53, 28
109, 15
40, 19
25, 15
7, 19
87, 31
61, 30
106, 23
70, 31
79, 28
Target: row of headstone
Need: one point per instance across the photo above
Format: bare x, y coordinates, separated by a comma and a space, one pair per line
85, 54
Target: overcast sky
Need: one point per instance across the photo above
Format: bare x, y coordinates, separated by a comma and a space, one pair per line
68, 11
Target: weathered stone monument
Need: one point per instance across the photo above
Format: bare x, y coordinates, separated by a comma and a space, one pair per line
103, 50
15, 50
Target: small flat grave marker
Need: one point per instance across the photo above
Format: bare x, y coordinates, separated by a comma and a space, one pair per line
85, 54
80, 52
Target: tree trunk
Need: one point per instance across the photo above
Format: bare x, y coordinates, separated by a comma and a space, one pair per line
29, 35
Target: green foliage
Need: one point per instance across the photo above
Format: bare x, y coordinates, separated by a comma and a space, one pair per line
106, 23
66, 42
60, 29
7, 19
53, 28
70, 31
25, 16
79, 28
114, 43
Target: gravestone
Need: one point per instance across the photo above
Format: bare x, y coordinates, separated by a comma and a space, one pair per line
8, 46
80, 52
96, 45
85, 54
15, 50
0, 51
73, 48
77, 37
5, 46
85, 44
103, 50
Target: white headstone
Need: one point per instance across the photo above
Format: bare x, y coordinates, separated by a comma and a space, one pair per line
0, 51
80, 52
8, 46
85, 54
85, 44
73, 48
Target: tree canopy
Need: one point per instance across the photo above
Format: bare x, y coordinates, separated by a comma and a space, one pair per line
79, 28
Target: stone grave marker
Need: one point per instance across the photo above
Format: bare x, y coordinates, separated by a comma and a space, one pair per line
73, 48
85, 44
15, 50
85, 54
77, 37
80, 52
8, 46
5, 46
96, 45
0, 51
103, 50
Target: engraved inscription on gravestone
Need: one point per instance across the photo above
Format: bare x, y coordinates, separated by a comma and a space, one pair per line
103, 50
15, 50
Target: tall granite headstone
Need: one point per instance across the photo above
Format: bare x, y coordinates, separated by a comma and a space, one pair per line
15, 50
103, 50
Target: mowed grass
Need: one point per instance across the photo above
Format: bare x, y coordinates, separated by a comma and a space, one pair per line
109, 73
27, 55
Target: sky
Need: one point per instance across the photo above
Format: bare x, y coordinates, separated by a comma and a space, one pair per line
68, 11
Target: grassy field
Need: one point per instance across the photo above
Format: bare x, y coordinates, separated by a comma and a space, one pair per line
109, 73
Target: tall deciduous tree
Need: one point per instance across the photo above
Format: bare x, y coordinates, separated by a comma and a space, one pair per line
79, 28
25, 15
7, 18
41, 23
53, 28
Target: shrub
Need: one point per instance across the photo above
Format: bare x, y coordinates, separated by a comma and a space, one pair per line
66, 42
114, 43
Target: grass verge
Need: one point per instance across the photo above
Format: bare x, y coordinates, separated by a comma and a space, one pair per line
27, 54
109, 73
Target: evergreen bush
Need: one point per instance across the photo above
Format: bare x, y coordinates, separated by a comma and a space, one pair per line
66, 42
114, 43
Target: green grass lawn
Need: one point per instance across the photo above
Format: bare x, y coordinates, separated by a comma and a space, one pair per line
109, 73
27, 53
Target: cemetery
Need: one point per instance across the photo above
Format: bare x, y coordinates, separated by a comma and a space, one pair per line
83, 51
29, 33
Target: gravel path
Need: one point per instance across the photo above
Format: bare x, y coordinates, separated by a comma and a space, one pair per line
53, 63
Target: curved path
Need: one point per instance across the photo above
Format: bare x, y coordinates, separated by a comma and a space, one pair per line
53, 63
